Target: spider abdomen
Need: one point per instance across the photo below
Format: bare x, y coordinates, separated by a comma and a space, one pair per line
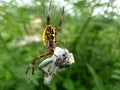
49, 35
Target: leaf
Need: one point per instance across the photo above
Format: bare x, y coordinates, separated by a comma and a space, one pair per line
68, 84
97, 80
115, 76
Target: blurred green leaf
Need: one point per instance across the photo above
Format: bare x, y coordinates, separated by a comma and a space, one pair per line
97, 80
68, 84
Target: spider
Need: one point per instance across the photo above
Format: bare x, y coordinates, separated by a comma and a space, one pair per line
49, 39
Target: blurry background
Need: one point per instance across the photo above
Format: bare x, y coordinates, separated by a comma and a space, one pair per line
90, 30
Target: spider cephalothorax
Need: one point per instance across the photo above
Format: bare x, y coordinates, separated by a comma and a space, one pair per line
49, 39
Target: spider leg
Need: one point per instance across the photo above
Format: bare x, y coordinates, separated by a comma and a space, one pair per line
60, 22
62, 43
48, 16
33, 62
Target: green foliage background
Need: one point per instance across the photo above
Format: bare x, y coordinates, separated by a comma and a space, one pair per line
93, 39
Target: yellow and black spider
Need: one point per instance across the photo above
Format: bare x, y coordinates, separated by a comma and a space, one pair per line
49, 39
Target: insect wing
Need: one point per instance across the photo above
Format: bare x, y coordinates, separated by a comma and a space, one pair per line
49, 68
71, 59
48, 76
